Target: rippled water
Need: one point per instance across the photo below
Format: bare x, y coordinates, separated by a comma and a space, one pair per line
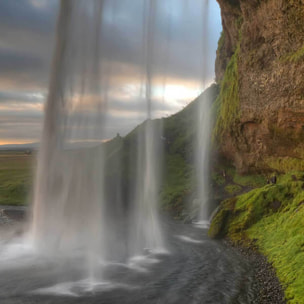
195, 270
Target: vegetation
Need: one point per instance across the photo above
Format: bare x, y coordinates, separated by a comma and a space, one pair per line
227, 103
179, 133
252, 181
273, 218
227, 182
285, 164
233, 189
15, 177
177, 187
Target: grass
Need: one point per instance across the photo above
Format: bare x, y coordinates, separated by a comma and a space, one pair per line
272, 216
280, 237
15, 177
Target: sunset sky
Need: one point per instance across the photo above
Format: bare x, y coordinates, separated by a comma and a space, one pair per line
27, 34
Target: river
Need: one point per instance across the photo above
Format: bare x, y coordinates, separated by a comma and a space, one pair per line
194, 270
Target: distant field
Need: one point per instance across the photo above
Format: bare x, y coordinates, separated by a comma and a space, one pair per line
16, 175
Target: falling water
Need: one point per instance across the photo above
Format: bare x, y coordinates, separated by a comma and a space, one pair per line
68, 215
146, 233
203, 130
72, 212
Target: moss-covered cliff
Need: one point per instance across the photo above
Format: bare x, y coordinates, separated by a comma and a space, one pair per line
260, 66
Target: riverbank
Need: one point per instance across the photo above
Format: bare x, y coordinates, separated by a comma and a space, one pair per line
272, 218
267, 283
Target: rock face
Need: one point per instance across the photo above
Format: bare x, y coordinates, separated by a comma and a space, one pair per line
265, 41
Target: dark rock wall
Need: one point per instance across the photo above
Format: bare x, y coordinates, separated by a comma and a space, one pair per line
270, 65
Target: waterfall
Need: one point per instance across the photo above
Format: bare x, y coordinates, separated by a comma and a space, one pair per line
68, 208
203, 131
75, 211
145, 226
71, 210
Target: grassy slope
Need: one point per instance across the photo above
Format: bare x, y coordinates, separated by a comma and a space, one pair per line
271, 217
178, 133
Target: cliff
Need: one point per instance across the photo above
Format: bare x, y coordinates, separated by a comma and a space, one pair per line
260, 67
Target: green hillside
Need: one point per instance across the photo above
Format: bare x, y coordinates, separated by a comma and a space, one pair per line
176, 134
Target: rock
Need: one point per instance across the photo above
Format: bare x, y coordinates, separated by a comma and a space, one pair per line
219, 224
270, 66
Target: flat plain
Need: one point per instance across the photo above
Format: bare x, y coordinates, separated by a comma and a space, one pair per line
16, 177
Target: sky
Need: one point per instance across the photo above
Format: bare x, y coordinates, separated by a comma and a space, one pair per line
179, 52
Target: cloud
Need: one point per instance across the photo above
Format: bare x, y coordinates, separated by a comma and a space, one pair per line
15, 61
27, 31
26, 14
21, 97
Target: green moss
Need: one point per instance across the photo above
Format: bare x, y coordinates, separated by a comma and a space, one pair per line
233, 189
285, 164
273, 216
227, 103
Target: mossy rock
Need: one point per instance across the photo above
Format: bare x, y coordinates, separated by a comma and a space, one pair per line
219, 223
226, 105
